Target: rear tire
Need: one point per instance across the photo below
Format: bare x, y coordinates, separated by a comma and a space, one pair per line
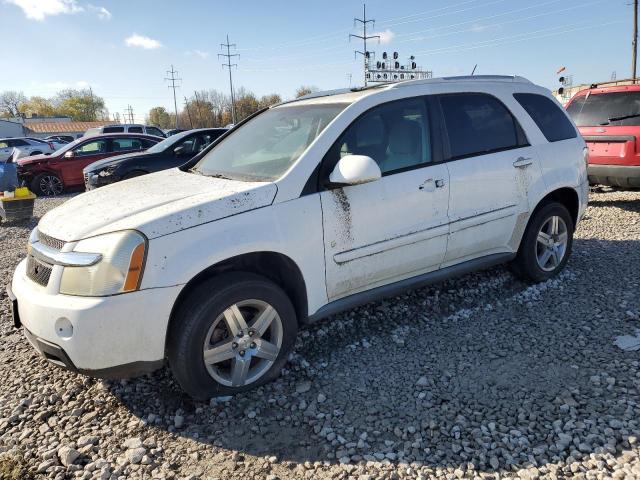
231, 334
546, 244
47, 184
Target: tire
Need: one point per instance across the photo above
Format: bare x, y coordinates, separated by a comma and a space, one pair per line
530, 263
200, 321
134, 174
46, 184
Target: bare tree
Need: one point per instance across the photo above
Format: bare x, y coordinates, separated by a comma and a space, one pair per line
305, 90
11, 103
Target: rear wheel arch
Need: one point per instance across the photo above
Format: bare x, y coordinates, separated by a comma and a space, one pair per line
277, 267
566, 196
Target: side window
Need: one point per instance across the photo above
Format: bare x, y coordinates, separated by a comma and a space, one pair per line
16, 142
91, 148
477, 124
548, 116
135, 129
396, 135
147, 143
187, 145
113, 130
153, 131
125, 144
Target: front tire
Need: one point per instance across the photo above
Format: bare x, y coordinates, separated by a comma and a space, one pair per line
47, 184
546, 244
231, 334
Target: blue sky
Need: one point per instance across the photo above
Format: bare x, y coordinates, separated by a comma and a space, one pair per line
123, 48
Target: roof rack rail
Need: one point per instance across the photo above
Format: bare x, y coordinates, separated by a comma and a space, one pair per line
464, 78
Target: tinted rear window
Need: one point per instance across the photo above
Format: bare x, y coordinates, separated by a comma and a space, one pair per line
548, 116
113, 130
478, 123
135, 129
616, 108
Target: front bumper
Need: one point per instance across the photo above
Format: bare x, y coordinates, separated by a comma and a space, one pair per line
93, 180
624, 176
115, 337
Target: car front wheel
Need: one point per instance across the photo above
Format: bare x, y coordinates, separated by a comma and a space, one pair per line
47, 184
231, 334
546, 244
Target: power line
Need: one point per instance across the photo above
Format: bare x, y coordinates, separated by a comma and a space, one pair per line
173, 79
229, 56
364, 37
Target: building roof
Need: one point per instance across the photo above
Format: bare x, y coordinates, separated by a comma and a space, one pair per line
64, 127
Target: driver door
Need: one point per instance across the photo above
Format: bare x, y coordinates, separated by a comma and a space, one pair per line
83, 155
396, 227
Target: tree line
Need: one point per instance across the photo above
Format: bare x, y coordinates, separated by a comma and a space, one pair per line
79, 104
205, 108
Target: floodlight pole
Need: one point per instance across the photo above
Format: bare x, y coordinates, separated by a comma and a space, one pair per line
364, 37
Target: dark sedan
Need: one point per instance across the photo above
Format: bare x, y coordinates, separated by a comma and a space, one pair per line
171, 152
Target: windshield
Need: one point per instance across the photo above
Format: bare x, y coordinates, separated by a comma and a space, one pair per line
167, 142
616, 109
266, 146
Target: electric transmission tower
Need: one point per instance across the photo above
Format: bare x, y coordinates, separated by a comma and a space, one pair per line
364, 37
172, 78
129, 113
229, 56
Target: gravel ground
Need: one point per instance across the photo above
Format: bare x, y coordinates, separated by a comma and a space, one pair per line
479, 377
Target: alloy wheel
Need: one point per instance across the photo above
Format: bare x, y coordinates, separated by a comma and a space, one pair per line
243, 343
551, 244
50, 185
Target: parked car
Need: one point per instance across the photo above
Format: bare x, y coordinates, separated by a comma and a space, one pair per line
609, 120
52, 174
173, 131
126, 128
61, 138
305, 209
55, 144
171, 152
25, 145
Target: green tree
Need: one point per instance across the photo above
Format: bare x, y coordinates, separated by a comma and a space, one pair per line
160, 117
80, 105
38, 106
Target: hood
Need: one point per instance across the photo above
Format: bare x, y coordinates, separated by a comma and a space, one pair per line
156, 204
33, 159
95, 166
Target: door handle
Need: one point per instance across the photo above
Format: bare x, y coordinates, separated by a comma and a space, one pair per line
522, 162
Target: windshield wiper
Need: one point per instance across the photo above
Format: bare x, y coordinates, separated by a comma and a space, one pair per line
621, 117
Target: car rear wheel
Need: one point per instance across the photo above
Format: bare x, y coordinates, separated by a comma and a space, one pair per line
546, 244
47, 184
231, 334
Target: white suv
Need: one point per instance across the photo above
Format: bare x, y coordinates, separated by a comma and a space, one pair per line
303, 210
125, 128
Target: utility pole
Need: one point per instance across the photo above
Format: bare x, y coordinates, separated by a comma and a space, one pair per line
186, 106
634, 42
173, 79
92, 108
364, 37
129, 111
228, 56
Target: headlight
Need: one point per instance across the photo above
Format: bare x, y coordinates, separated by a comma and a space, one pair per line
108, 171
119, 270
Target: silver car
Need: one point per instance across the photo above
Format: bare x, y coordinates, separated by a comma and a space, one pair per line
26, 146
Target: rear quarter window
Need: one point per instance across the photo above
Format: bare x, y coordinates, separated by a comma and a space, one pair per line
113, 130
550, 119
135, 129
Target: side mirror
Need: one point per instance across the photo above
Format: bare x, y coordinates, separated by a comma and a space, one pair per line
69, 154
354, 170
178, 151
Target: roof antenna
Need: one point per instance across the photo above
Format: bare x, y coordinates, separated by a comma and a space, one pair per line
474, 69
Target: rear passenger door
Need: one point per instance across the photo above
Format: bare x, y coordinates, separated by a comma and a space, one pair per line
396, 227
491, 165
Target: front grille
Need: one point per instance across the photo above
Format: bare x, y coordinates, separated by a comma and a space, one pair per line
38, 271
50, 241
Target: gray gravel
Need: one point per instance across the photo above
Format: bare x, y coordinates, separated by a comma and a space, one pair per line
480, 377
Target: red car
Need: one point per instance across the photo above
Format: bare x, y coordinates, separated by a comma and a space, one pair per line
609, 120
52, 174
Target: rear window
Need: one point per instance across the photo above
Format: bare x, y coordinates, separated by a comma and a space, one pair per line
478, 123
616, 108
549, 118
113, 130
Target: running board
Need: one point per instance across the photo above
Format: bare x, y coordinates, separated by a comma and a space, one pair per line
401, 286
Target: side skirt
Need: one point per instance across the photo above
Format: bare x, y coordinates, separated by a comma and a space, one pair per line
401, 286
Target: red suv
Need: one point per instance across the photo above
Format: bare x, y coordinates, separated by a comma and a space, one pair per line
51, 174
609, 120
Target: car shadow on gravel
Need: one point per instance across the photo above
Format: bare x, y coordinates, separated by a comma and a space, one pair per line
483, 370
629, 205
